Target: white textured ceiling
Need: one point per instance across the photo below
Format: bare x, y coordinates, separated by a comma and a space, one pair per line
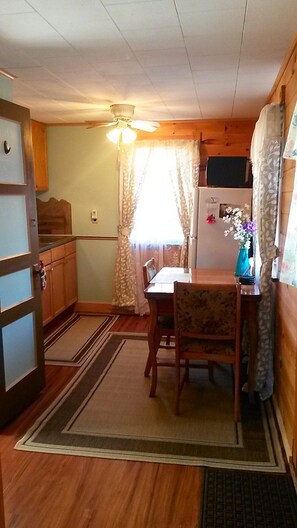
173, 59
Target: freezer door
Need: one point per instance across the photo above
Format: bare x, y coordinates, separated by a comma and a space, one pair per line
214, 250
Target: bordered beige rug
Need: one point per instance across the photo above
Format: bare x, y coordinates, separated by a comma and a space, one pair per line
106, 412
76, 338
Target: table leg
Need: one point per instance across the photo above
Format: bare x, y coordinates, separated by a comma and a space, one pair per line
151, 363
251, 312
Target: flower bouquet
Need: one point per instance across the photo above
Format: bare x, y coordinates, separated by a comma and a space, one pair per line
242, 228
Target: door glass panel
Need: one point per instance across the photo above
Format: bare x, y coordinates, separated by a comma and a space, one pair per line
11, 164
15, 288
13, 226
19, 349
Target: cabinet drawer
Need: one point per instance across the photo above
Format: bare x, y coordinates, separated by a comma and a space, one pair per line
70, 247
46, 257
58, 253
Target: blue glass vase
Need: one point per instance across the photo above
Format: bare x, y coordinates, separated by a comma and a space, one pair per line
243, 268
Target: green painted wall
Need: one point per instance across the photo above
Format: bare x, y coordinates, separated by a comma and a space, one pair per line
82, 169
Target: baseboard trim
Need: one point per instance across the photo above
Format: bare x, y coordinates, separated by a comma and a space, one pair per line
281, 426
95, 307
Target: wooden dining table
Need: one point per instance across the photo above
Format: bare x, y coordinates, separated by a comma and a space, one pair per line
159, 294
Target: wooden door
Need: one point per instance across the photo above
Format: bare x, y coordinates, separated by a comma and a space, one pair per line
21, 333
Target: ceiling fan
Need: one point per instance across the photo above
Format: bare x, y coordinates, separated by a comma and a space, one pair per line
123, 123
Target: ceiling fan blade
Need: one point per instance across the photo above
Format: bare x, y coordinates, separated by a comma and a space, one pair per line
93, 124
147, 126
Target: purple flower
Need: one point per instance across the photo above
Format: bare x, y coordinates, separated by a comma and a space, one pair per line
249, 227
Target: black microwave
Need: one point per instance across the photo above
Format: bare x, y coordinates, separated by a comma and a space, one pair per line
228, 171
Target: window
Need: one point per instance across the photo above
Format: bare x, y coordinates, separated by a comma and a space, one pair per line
156, 216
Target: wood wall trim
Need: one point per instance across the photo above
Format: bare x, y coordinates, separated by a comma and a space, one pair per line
90, 237
94, 307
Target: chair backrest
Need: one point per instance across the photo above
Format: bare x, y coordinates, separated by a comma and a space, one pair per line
207, 311
149, 271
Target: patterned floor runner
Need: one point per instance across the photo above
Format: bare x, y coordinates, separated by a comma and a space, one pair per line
243, 499
76, 339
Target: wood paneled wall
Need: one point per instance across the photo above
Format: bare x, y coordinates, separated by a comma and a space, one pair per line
286, 310
218, 137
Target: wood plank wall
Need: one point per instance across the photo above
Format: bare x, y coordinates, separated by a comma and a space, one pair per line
218, 137
286, 310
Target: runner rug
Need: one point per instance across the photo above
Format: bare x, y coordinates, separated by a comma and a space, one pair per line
249, 500
105, 411
77, 338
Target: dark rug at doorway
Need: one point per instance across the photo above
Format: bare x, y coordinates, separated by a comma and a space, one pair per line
246, 499
106, 412
76, 339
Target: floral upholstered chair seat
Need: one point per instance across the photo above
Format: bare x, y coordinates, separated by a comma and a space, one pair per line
206, 346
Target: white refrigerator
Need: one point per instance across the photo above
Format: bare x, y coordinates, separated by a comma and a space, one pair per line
209, 248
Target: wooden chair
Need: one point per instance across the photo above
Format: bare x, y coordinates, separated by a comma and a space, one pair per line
149, 270
165, 324
207, 327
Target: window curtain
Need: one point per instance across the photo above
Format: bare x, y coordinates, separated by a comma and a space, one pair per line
131, 257
184, 182
184, 174
129, 189
266, 152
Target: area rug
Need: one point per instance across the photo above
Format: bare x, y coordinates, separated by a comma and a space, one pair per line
249, 500
77, 337
106, 412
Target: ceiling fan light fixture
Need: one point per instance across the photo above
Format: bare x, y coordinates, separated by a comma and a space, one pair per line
121, 135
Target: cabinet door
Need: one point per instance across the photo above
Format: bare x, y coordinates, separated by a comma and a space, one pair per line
47, 298
70, 279
39, 155
58, 286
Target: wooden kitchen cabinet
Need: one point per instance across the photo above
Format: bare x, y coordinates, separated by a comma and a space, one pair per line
39, 155
58, 280
70, 270
46, 297
61, 274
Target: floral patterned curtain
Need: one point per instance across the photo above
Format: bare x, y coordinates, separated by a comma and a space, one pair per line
129, 188
130, 259
288, 273
183, 188
266, 163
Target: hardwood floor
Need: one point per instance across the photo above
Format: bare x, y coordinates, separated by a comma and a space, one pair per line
57, 491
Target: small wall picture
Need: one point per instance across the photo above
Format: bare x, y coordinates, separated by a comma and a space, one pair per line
223, 207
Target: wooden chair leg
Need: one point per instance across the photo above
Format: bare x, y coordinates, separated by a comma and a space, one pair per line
148, 367
154, 366
177, 388
154, 378
237, 393
211, 365
187, 371
168, 340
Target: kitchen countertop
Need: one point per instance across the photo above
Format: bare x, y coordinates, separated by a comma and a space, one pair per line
50, 241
